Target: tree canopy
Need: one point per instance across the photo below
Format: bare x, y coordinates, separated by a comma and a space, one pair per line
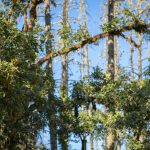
108, 104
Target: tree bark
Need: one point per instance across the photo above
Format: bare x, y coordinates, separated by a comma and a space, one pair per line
49, 69
110, 139
64, 83
111, 47
91, 142
84, 143
63, 139
139, 58
131, 48
25, 17
33, 14
139, 3
115, 45
131, 59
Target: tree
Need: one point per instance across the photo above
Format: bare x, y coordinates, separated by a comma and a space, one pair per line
64, 83
22, 101
29, 90
51, 112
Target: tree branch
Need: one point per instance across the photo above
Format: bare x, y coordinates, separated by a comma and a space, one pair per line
130, 40
139, 28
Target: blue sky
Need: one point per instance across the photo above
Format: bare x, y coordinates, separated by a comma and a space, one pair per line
95, 12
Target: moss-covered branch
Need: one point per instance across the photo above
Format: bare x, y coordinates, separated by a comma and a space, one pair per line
139, 28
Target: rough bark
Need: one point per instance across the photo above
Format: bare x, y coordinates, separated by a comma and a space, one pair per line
116, 11
86, 47
33, 13
116, 45
111, 45
139, 58
25, 17
115, 58
110, 139
64, 83
139, 3
131, 48
49, 69
53, 135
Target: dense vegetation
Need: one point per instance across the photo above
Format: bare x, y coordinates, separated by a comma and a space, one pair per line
111, 105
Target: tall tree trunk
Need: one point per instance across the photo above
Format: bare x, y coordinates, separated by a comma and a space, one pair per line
64, 83
51, 112
86, 47
110, 139
139, 58
139, 3
82, 63
115, 58
131, 59
115, 45
131, 47
110, 68
116, 70
85, 61
63, 137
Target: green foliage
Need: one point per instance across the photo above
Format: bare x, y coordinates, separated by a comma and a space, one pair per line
81, 34
21, 96
127, 106
128, 18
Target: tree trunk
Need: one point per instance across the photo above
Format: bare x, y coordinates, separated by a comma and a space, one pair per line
91, 142
139, 58
139, 3
131, 59
25, 17
53, 135
48, 46
116, 69
85, 59
115, 59
131, 47
64, 83
115, 45
110, 139
32, 14
84, 143
111, 41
